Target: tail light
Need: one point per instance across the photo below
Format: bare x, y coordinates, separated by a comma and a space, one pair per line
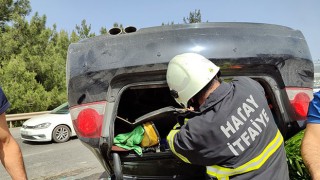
87, 119
299, 100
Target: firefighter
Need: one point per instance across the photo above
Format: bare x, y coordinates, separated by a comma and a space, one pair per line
234, 134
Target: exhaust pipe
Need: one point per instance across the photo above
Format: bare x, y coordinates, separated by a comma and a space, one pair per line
115, 31
130, 29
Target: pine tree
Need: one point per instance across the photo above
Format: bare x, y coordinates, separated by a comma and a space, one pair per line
194, 17
84, 30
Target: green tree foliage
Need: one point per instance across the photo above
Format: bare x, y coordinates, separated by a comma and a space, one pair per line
118, 25
194, 17
12, 39
103, 30
167, 24
57, 75
84, 30
74, 37
23, 91
9, 10
32, 61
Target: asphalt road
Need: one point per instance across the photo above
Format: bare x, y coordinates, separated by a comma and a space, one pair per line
48, 161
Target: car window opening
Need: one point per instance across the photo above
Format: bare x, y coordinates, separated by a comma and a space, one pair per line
136, 102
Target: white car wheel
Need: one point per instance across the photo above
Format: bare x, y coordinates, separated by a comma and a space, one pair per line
61, 134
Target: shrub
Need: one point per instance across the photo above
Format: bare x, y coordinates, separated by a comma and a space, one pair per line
297, 169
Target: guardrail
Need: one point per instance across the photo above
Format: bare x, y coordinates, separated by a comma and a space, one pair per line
23, 116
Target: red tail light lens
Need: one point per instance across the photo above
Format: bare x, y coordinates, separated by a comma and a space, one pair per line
87, 119
300, 99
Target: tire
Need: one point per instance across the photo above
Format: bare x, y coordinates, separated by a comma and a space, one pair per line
61, 134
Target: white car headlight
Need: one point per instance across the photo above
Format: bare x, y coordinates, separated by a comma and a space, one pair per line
42, 126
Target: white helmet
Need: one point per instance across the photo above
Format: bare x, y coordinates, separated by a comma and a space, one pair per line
187, 74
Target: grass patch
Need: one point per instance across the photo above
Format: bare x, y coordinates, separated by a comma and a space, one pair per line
297, 169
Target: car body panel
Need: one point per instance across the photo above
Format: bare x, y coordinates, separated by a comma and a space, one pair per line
93, 64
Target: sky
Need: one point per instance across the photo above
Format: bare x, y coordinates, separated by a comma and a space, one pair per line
303, 15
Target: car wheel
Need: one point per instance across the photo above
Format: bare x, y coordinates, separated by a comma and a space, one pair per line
61, 134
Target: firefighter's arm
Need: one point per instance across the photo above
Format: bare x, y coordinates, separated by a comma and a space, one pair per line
181, 143
310, 149
180, 124
171, 138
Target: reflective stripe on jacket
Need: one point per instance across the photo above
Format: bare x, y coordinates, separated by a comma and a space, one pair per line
235, 136
220, 172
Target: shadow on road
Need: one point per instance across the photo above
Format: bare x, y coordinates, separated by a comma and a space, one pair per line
36, 143
45, 143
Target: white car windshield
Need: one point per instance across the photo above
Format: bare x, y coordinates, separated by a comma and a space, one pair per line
62, 109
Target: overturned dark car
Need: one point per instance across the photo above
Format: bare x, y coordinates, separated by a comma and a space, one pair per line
117, 82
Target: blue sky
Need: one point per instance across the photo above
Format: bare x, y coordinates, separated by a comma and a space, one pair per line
297, 14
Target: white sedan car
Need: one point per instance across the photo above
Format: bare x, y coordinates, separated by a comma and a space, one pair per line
55, 126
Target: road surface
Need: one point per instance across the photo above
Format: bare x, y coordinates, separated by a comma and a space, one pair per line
48, 161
